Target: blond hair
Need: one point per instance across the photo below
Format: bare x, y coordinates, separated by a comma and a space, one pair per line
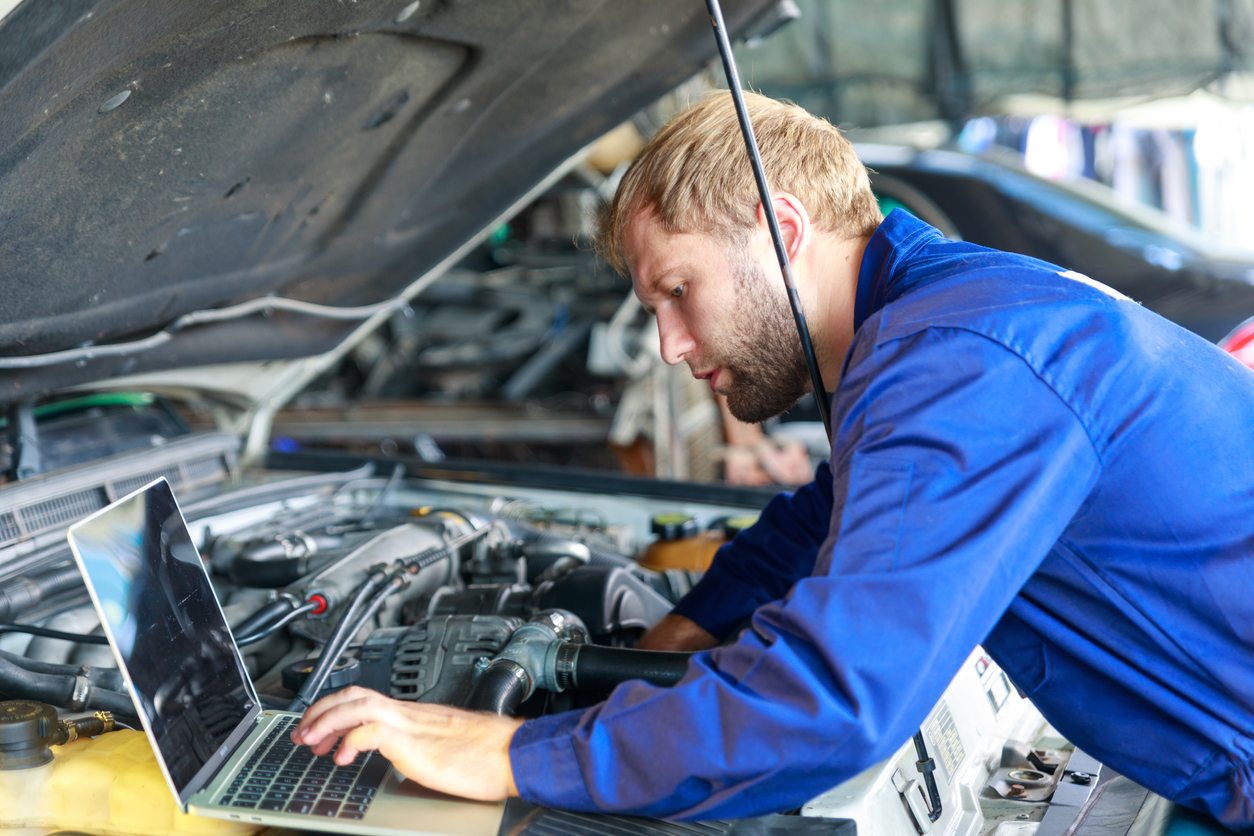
694, 175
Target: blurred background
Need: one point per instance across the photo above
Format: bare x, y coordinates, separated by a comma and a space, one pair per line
1111, 137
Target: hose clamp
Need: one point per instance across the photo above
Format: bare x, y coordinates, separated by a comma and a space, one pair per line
82, 687
518, 672
290, 598
564, 667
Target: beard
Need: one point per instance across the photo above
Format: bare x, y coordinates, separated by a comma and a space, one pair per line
770, 375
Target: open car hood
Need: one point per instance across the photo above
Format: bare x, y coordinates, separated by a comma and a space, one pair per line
159, 158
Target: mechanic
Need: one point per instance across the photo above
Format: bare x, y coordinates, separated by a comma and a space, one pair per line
1021, 457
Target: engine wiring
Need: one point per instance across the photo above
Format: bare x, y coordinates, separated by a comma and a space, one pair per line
266, 632
44, 632
365, 603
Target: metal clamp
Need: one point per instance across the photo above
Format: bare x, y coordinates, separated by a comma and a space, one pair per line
82, 688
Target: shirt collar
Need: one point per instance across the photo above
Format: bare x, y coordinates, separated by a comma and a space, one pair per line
896, 237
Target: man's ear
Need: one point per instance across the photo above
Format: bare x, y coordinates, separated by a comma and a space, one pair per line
794, 223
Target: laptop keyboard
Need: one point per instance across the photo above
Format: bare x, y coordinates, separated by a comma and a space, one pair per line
285, 778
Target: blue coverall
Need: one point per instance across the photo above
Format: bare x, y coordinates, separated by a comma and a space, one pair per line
1021, 457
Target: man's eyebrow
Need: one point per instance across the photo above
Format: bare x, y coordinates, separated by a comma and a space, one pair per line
657, 281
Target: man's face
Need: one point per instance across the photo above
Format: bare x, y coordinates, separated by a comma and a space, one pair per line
718, 311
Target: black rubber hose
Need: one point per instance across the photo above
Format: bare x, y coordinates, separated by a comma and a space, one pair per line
18, 683
35, 666
600, 556
25, 591
110, 679
266, 565
102, 699
591, 667
262, 618
500, 689
268, 574
32, 630
105, 677
58, 689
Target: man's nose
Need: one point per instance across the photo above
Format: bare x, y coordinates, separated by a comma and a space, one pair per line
676, 343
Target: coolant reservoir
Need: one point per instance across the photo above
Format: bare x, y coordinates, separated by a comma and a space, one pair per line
680, 544
106, 785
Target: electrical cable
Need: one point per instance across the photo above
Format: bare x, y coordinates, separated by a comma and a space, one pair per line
308, 606
927, 768
343, 631
203, 317
768, 206
331, 654
350, 622
51, 634
265, 616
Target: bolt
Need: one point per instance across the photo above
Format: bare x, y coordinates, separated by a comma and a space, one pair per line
408, 12
1082, 778
481, 664
1025, 815
114, 101
1017, 790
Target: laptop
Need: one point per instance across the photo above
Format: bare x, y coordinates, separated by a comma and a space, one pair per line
222, 754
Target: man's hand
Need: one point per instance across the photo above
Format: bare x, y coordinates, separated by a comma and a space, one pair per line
674, 632
459, 752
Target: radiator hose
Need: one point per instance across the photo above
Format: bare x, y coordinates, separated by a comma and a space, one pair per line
107, 678
500, 689
550, 652
591, 667
26, 591
277, 562
75, 692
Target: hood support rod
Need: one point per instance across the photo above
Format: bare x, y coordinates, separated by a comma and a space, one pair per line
768, 206
925, 764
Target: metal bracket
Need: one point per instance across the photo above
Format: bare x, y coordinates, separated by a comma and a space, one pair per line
24, 439
911, 791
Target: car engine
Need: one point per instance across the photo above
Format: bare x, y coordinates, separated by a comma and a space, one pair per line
416, 592
440, 585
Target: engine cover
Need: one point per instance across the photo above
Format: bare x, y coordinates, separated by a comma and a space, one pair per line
608, 599
433, 660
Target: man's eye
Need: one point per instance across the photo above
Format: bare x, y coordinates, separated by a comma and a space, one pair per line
678, 290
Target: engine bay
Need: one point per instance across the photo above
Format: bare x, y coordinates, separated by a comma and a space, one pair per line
416, 584
442, 586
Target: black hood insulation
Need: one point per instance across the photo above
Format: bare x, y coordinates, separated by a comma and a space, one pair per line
159, 157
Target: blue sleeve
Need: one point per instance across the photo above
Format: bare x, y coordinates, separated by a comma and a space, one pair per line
956, 469
764, 561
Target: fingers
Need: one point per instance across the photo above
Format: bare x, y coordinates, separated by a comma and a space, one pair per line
332, 716
315, 710
448, 749
365, 738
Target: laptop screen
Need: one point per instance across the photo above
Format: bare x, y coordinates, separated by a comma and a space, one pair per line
167, 629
